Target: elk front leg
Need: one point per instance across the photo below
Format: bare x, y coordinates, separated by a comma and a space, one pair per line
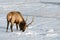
7, 26
17, 26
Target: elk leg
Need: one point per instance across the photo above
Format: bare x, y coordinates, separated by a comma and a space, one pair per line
11, 27
23, 30
7, 26
17, 26
20, 27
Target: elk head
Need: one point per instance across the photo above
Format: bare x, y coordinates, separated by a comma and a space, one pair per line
24, 24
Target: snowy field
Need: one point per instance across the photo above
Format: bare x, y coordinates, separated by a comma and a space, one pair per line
46, 25
43, 28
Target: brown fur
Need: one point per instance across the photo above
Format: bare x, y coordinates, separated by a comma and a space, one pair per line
16, 17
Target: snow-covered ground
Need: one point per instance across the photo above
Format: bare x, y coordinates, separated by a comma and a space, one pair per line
46, 25
43, 28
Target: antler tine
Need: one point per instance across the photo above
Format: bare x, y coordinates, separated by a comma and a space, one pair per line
26, 18
31, 21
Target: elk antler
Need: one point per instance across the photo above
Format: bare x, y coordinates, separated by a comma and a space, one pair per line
31, 21
26, 18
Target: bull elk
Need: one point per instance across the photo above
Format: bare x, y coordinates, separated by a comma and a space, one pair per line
17, 18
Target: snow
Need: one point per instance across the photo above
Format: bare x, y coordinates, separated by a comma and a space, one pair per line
51, 33
46, 25
41, 29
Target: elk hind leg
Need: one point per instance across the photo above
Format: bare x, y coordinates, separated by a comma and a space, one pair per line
11, 27
7, 26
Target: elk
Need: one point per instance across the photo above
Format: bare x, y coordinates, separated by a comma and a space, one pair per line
17, 18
